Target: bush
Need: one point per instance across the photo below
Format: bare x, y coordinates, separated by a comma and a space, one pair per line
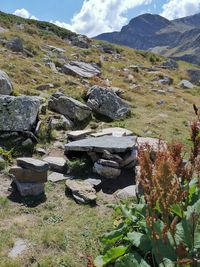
163, 228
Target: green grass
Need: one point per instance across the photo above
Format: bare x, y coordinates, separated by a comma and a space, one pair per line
60, 232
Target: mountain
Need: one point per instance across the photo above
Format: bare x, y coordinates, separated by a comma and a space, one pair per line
178, 39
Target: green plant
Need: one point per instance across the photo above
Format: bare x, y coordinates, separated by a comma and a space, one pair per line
163, 228
7, 155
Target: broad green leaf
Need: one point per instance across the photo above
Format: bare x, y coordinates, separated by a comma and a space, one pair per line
140, 241
110, 256
163, 251
113, 236
131, 260
193, 209
177, 210
167, 263
184, 233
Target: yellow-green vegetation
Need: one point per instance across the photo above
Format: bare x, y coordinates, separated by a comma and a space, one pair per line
60, 232
169, 120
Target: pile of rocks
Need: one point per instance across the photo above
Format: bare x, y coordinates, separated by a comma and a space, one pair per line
30, 176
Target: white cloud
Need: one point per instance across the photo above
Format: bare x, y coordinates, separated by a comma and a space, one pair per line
24, 14
180, 8
96, 16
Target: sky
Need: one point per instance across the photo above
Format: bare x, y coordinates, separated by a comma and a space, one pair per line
92, 17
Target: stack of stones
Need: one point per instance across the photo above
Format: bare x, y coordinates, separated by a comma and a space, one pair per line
30, 176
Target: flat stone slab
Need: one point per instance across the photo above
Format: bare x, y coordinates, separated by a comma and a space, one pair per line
56, 177
28, 176
33, 164
77, 135
99, 144
57, 164
114, 131
19, 247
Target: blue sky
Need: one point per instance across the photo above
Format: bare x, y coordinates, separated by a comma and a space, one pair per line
92, 17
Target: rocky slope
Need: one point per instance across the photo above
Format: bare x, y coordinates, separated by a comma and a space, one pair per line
178, 38
80, 108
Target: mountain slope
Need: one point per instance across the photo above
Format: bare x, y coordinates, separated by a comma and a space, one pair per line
177, 39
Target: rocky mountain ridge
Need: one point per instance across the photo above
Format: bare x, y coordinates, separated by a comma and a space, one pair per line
178, 39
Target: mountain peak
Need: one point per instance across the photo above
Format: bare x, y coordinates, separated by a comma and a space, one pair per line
146, 24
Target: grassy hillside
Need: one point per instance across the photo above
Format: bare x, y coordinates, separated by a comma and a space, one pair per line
61, 232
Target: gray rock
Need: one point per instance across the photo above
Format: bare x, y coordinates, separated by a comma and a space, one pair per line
52, 66
3, 30
99, 144
33, 164
166, 80
107, 103
41, 151
194, 76
66, 123
57, 164
81, 41
77, 135
69, 107
95, 182
114, 131
56, 177
29, 189
19, 247
5, 84
109, 163
107, 155
106, 171
170, 64
186, 84
43, 87
18, 113
82, 191
28, 175
127, 192
81, 69
130, 159
15, 44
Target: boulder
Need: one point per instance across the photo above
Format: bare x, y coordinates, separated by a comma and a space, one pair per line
100, 144
82, 191
81, 41
15, 44
18, 113
127, 192
107, 103
28, 176
186, 84
130, 159
57, 164
69, 107
194, 76
106, 171
81, 69
5, 84
33, 164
